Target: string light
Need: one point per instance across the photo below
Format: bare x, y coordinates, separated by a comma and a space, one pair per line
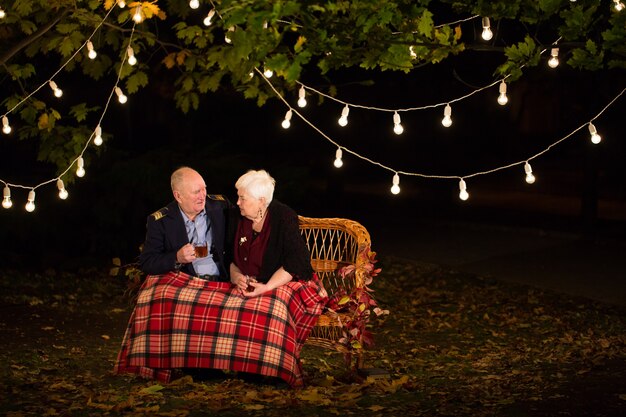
530, 178
6, 128
92, 54
194, 4
553, 62
619, 6
97, 140
338, 162
502, 98
397, 127
287, 122
62, 191
412, 52
208, 18
120, 95
6, 200
268, 72
227, 35
487, 33
30, 204
595, 138
343, 120
395, 184
447, 116
131, 56
301, 97
57, 91
138, 17
2, 13
80, 167
121, 3
463, 194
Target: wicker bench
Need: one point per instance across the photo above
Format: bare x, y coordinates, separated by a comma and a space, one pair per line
333, 243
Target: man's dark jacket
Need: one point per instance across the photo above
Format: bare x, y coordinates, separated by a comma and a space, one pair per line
166, 234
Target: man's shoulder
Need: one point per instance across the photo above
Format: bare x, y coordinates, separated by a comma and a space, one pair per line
159, 214
216, 197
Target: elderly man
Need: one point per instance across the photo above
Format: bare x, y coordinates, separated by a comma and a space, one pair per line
193, 218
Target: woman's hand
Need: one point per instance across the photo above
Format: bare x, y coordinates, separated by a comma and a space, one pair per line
258, 288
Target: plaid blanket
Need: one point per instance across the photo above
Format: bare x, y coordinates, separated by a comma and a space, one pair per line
185, 322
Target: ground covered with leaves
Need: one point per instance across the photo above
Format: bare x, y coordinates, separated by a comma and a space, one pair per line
453, 345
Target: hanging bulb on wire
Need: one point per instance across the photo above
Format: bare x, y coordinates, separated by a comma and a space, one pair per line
132, 60
463, 194
268, 72
447, 116
62, 191
397, 126
302, 97
80, 167
6, 200
138, 16
553, 62
121, 3
338, 162
487, 33
57, 91
343, 120
595, 137
194, 4
97, 140
395, 184
619, 6
208, 18
6, 128
92, 54
530, 178
120, 95
227, 38
3, 14
502, 98
287, 121
412, 52
30, 204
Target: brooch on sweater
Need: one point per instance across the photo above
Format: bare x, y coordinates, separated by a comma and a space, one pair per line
242, 240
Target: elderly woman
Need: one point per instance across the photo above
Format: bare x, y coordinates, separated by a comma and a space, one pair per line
269, 251
256, 325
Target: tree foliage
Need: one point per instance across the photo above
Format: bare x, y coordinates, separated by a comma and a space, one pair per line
297, 40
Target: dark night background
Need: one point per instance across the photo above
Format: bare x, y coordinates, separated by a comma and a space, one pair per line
580, 187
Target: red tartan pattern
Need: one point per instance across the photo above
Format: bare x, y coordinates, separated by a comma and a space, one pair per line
185, 322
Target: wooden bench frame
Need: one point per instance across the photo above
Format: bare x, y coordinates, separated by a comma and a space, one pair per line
334, 243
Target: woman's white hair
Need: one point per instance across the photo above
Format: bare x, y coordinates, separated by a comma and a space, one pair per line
257, 184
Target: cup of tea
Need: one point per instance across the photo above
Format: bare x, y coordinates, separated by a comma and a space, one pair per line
201, 249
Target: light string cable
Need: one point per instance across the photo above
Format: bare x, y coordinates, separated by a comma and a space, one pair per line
106, 106
434, 176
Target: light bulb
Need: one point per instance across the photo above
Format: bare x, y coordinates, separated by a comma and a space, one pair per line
338, 162
447, 116
412, 52
286, 123
268, 73
80, 167
227, 36
92, 54
6, 200
2, 13
121, 3
553, 62
120, 95
343, 120
6, 128
57, 91
463, 194
301, 97
530, 178
137, 17
207, 19
595, 138
502, 98
30, 205
487, 33
97, 140
194, 4
619, 6
397, 127
131, 56
62, 191
395, 187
